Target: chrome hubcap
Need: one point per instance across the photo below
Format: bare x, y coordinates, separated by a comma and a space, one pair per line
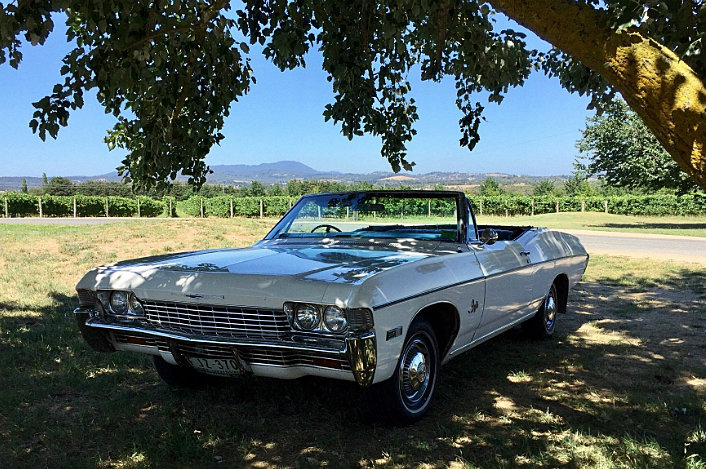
415, 377
417, 371
549, 311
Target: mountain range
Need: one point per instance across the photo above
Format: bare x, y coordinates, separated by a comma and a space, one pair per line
283, 171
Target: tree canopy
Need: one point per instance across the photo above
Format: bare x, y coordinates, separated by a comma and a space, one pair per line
490, 187
618, 147
170, 70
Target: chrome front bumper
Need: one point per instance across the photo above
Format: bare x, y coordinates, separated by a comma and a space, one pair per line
358, 349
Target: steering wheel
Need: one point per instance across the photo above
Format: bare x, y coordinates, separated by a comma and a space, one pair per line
327, 226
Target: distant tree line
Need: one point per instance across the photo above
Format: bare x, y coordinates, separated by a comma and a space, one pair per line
578, 184
181, 191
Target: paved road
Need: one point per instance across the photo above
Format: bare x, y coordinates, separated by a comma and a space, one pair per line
76, 221
675, 248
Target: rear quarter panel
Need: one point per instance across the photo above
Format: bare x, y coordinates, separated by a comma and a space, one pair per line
554, 253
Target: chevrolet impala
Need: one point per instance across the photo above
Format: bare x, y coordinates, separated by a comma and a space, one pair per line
379, 288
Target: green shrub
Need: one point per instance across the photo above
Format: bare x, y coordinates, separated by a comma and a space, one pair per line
165, 206
246, 206
21, 205
217, 207
276, 206
191, 206
57, 206
122, 206
90, 206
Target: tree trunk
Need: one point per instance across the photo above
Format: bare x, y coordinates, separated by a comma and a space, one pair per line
663, 90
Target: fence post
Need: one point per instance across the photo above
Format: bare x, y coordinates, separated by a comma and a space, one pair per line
139, 215
262, 209
605, 206
7, 212
107, 212
532, 207
429, 208
41, 212
201, 207
231, 208
170, 208
480, 205
506, 214
75, 207
557, 206
348, 212
583, 205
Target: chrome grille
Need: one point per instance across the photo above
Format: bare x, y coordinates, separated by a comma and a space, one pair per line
255, 355
127, 337
86, 297
218, 321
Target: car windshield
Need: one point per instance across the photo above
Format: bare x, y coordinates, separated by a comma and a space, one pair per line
372, 215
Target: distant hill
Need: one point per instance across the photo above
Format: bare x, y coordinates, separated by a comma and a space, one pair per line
283, 171
267, 173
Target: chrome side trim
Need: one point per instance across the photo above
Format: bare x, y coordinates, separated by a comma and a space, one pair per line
362, 356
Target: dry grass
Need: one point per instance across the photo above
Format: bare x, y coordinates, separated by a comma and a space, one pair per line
622, 385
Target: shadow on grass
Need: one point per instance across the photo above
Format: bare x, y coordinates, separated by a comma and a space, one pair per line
604, 391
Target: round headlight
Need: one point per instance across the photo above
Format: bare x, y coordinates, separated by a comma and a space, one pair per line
335, 319
135, 306
307, 316
118, 302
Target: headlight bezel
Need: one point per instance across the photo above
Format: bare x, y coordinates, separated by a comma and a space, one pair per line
134, 309
325, 324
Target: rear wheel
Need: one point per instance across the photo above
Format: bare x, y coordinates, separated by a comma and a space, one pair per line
177, 376
543, 324
405, 397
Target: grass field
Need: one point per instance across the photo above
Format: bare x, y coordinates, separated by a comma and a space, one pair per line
684, 226
623, 384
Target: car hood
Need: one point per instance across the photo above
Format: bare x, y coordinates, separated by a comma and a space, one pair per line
257, 273
321, 262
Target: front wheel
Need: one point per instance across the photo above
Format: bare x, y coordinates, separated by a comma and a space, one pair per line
405, 397
543, 324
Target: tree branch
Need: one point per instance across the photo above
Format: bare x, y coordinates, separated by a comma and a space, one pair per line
201, 25
663, 90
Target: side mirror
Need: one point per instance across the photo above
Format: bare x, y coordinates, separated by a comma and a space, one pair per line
488, 236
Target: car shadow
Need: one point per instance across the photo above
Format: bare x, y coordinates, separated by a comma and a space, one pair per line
616, 370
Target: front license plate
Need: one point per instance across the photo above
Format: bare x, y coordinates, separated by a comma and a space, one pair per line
216, 366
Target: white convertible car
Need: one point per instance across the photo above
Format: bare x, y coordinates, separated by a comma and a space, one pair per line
376, 287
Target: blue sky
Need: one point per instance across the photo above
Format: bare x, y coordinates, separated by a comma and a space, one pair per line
532, 132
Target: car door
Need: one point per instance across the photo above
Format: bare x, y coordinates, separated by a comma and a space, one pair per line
508, 279
468, 294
